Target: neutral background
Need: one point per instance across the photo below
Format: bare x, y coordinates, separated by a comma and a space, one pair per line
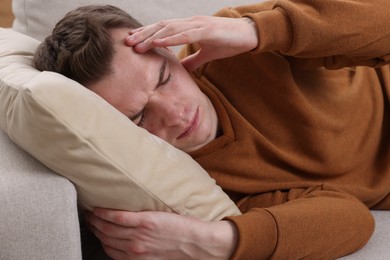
6, 16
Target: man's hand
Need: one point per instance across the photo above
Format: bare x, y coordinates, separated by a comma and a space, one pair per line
161, 235
218, 37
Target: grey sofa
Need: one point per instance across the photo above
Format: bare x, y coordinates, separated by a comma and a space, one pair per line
38, 213
38, 209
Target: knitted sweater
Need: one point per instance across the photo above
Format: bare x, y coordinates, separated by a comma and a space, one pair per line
305, 149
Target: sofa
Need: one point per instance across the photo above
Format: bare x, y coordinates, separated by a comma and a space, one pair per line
39, 208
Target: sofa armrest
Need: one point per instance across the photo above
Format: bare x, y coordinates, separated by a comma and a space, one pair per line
378, 246
38, 215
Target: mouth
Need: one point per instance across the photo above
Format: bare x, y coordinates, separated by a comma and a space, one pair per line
191, 126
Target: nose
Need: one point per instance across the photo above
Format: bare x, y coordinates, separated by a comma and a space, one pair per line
170, 111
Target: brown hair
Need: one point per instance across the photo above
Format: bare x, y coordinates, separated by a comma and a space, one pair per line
80, 46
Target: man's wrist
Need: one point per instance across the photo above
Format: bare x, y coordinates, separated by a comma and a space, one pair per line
224, 237
253, 33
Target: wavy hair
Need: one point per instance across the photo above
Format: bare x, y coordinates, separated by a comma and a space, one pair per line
80, 46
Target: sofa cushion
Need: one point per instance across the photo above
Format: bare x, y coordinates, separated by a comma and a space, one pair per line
38, 209
112, 162
37, 22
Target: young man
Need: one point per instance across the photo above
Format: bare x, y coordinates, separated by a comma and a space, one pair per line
286, 106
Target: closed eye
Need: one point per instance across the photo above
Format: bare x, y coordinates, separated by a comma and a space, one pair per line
141, 120
138, 118
162, 73
167, 80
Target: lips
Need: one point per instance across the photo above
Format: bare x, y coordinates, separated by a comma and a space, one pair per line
191, 126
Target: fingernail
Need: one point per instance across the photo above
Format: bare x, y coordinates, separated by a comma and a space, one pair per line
140, 46
131, 37
130, 40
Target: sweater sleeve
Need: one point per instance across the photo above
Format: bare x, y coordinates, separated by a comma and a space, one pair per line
316, 223
344, 32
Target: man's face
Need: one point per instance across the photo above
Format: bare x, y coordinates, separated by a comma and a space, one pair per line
158, 94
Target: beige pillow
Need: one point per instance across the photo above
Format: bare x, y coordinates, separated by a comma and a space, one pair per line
112, 162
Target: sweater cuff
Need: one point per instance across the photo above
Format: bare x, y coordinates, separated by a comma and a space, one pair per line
257, 234
274, 30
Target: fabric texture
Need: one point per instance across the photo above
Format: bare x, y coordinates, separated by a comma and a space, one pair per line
378, 246
112, 162
37, 220
307, 125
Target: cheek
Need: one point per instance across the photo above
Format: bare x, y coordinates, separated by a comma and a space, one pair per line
150, 127
186, 87
153, 128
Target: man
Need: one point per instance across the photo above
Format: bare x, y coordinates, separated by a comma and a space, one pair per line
286, 106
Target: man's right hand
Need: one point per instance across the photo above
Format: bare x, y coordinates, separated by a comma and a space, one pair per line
218, 37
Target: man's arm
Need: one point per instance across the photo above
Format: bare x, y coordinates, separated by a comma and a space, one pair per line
355, 30
217, 37
161, 235
342, 33
318, 223
314, 223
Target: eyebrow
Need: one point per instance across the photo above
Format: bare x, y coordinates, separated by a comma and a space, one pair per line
160, 79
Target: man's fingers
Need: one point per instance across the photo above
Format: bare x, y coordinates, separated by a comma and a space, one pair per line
164, 35
114, 253
108, 228
110, 242
119, 217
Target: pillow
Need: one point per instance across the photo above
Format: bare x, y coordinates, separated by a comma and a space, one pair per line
112, 162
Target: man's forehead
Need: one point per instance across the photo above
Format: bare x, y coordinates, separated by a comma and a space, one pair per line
118, 34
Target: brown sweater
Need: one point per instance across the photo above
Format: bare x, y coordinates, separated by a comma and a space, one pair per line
305, 148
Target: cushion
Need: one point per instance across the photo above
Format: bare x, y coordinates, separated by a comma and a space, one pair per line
37, 22
112, 162
38, 213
